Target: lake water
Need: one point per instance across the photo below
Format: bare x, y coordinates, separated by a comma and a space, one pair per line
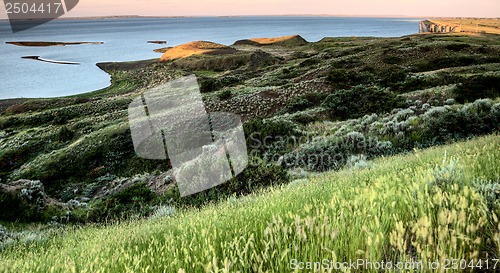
126, 40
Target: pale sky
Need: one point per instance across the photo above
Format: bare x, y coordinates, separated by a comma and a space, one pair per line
417, 8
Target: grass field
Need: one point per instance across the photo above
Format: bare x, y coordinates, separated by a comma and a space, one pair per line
428, 205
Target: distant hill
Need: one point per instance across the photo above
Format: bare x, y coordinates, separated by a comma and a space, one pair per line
294, 40
195, 48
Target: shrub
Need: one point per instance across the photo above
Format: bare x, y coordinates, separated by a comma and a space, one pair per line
453, 61
444, 62
357, 162
334, 153
306, 118
231, 80
445, 123
128, 195
457, 46
450, 102
298, 104
216, 63
479, 107
315, 98
64, 134
347, 78
435, 112
13, 158
208, 85
4, 233
478, 87
495, 114
489, 190
403, 114
413, 83
360, 101
420, 126
426, 106
15, 208
392, 60
261, 133
163, 211
122, 205
61, 118
26, 206
351, 62
256, 176
447, 174
33, 192
392, 78
309, 62
225, 94
367, 120
305, 102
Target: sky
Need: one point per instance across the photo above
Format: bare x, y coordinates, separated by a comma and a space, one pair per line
410, 8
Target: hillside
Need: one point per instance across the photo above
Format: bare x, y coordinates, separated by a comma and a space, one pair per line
424, 206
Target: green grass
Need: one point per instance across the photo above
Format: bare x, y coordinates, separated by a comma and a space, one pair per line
423, 205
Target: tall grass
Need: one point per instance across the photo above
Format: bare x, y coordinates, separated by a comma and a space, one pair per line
421, 206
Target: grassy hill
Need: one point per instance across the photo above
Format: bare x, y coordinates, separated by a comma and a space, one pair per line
428, 205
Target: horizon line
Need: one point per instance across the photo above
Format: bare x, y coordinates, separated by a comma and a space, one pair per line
131, 16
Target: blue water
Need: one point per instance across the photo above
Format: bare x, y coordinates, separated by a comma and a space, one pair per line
126, 40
